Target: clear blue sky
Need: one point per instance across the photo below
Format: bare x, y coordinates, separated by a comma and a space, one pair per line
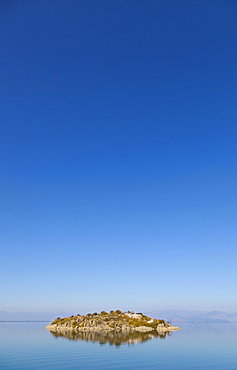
118, 154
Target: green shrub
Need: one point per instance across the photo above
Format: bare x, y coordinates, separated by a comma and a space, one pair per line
56, 321
103, 313
137, 322
74, 324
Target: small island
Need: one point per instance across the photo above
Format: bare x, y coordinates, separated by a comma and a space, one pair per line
113, 321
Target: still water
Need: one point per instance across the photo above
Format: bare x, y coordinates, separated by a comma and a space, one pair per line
205, 346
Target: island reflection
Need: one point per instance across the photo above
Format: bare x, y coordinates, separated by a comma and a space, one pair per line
113, 338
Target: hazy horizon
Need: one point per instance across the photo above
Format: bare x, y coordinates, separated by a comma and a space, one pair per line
83, 312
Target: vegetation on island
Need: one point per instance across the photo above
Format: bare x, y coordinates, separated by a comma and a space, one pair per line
114, 320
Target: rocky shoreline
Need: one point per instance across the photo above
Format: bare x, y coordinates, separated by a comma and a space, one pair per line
114, 321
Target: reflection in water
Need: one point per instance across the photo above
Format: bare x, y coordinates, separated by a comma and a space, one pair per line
111, 337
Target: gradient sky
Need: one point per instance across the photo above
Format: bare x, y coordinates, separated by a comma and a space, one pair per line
118, 154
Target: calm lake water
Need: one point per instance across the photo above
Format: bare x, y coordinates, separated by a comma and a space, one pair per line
206, 346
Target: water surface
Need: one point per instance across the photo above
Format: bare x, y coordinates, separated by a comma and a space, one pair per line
31, 346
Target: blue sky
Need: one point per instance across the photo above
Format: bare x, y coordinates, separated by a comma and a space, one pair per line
118, 155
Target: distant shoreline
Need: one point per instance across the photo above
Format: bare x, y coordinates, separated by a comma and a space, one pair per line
24, 320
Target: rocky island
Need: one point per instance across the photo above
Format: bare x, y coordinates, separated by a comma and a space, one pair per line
116, 321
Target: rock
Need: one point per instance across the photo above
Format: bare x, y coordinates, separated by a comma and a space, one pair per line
143, 329
161, 328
